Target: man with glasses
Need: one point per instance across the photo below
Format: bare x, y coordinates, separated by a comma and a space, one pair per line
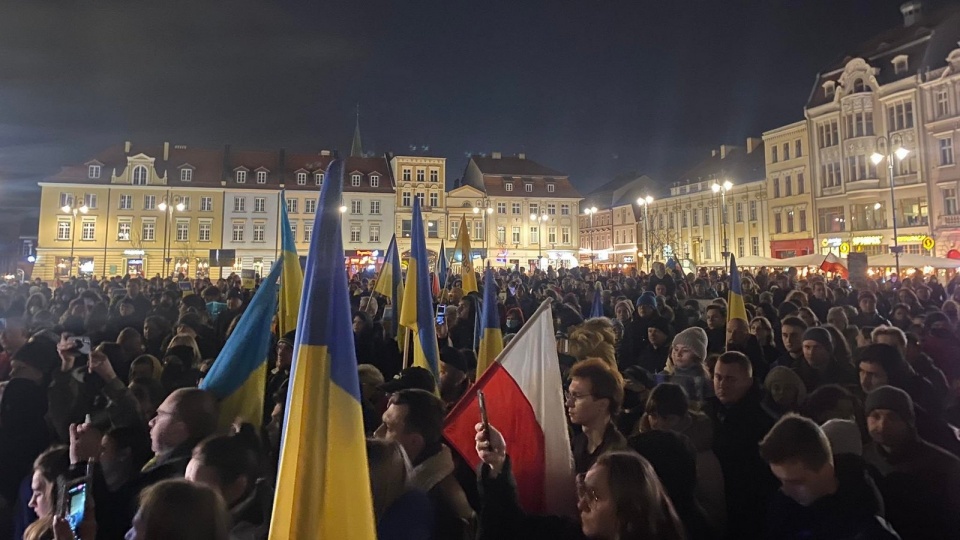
186, 417
593, 398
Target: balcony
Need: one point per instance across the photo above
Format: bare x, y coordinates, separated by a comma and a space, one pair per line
949, 221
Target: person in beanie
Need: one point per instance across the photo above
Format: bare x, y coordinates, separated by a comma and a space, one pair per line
920, 482
785, 391
844, 437
819, 366
453, 375
686, 366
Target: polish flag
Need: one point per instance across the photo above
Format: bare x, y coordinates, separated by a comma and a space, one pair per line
524, 396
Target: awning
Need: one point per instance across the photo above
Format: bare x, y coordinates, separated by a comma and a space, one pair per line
752, 260
912, 260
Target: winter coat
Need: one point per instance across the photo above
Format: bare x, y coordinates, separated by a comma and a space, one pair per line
454, 519
835, 372
410, 517
583, 459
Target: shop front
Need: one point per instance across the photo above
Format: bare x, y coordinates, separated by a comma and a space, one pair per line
784, 249
359, 260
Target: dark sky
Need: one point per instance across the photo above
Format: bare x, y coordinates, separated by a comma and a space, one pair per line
591, 87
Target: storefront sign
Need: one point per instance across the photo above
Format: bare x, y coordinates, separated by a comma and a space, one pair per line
134, 252
928, 243
831, 242
867, 240
911, 239
844, 248
628, 259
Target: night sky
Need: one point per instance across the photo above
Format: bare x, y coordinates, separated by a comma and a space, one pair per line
591, 88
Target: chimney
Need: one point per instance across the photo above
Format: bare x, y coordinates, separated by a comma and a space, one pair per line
752, 144
324, 152
724, 149
495, 155
166, 151
126, 147
713, 153
912, 11
522, 155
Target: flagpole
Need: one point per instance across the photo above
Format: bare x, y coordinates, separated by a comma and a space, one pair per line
406, 346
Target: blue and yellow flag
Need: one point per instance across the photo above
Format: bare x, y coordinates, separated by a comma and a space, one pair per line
596, 310
239, 374
417, 310
323, 484
390, 284
442, 266
491, 339
464, 255
735, 307
291, 280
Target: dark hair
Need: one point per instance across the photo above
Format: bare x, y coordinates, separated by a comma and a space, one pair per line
605, 381
643, 508
795, 438
822, 401
668, 399
738, 358
717, 307
233, 456
425, 413
793, 321
137, 440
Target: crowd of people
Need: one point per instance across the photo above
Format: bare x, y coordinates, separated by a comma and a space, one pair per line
828, 412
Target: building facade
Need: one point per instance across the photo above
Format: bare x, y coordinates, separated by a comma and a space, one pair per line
940, 101
610, 238
422, 177
791, 223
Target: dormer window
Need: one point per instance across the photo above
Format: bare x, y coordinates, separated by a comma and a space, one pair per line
241, 177
140, 175
186, 174
528, 188
550, 188
900, 64
301, 178
318, 178
93, 171
508, 186
355, 180
374, 180
261, 177
859, 86
828, 88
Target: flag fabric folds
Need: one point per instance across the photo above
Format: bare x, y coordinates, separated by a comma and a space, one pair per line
390, 284
491, 337
417, 310
239, 374
464, 255
323, 483
442, 266
735, 306
291, 280
524, 399
596, 310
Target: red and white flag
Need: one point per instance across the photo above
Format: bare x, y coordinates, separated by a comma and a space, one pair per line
524, 397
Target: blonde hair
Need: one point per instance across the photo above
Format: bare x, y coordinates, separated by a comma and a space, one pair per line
594, 338
186, 340
183, 510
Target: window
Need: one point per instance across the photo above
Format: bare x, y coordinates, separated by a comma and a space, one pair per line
420, 197
914, 211
259, 232
123, 230
789, 186
185, 201
356, 207
183, 230
374, 234
739, 212
753, 210
501, 234
310, 206
421, 175
706, 216
900, 115
528, 188
238, 232
900, 65
354, 233
90, 199
798, 152
239, 204
908, 165
776, 188
405, 201
318, 178
301, 178
432, 229
859, 86
515, 235
552, 235
696, 217
550, 188
831, 219
241, 177
434, 175
260, 204
407, 174
801, 188
126, 202
508, 186
786, 151
564, 209
307, 231
291, 206
261, 177
203, 233
139, 175
63, 229
478, 229
754, 246
206, 204
454, 228
773, 154
790, 221
552, 209
740, 247
941, 108
355, 180
88, 229
949, 201
535, 209
501, 208
946, 151
148, 231
803, 220
830, 175
708, 248
93, 171
777, 222
859, 124
375, 207
434, 199
149, 202
374, 180
515, 209
828, 134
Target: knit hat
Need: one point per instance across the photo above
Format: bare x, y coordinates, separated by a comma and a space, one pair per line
820, 335
891, 399
786, 377
647, 299
844, 436
40, 354
626, 303
695, 339
662, 325
453, 358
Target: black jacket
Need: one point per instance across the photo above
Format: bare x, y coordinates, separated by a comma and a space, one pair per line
835, 372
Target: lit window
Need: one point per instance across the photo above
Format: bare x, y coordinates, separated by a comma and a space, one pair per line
123, 230
63, 229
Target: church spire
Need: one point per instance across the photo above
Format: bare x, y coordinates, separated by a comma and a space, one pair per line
356, 149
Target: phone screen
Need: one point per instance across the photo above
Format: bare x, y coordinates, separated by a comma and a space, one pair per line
441, 313
82, 344
186, 286
76, 504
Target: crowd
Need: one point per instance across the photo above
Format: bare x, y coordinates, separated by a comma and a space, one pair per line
829, 412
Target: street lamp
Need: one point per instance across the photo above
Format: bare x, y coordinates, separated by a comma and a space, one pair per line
485, 210
645, 203
722, 189
539, 219
901, 153
168, 210
590, 212
75, 208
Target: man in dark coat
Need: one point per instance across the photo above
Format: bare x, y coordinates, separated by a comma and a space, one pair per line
819, 366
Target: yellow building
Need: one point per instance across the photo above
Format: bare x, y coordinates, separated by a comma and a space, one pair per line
423, 177
790, 191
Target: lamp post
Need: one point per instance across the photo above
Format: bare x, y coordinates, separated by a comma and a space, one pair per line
722, 189
645, 203
486, 209
168, 210
539, 220
590, 212
75, 208
887, 146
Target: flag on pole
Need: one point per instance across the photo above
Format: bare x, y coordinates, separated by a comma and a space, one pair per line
442, 266
463, 255
239, 374
417, 311
390, 284
596, 310
291, 280
323, 484
491, 340
735, 307
524, 399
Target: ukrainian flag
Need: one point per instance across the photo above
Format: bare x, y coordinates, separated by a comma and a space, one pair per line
464, 255
291, 280
735, 307
323, 485
417, 310
491, 340
239, 373
442, 266
390, 284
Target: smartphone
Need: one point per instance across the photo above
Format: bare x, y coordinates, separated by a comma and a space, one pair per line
82, 344
441, 314
73, 501
482, 401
